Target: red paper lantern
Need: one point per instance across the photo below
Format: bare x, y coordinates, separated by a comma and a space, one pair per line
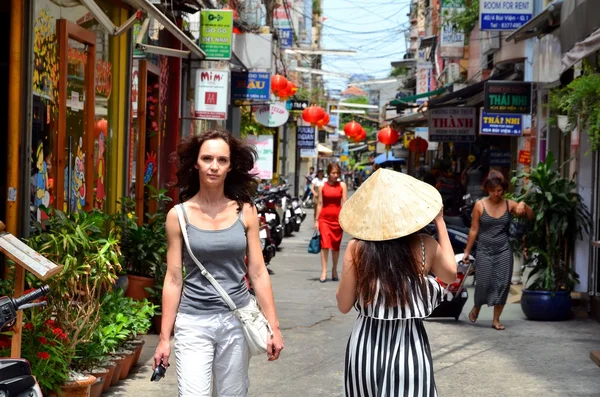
287, 91
278, 83
293, 89
101, 126
353, 129
324, 121
418, 145
388, 136
362, 135
313, 114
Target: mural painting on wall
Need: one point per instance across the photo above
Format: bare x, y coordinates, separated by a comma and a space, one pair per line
76, 200
101, 130
45, 67
43, 183
150, 167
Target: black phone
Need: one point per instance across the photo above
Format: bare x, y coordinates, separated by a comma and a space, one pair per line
159, 372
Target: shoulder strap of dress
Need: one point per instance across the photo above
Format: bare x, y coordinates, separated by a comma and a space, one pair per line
422, 252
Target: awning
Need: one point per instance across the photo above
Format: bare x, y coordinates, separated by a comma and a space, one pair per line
580, 51
543, 23
578, 19
388, 158
324, 149
402, 101
151, 9
416, 119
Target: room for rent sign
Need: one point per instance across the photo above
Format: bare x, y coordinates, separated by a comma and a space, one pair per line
454, 124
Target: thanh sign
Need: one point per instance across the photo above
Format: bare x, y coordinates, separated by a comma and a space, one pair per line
452, 124
513, 97
251, 85
216, 33
500, 124
504, 15
212, 89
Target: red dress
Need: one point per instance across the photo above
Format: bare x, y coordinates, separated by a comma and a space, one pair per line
329, 223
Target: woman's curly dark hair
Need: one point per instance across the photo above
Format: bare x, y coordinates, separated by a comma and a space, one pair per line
240, 184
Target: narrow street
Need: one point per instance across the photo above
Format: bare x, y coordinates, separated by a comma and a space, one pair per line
527, 359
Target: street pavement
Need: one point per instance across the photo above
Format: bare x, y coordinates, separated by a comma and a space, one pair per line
470, 360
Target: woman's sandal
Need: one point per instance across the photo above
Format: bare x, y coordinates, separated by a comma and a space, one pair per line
498, 327
472, 318
322, 280
335, 278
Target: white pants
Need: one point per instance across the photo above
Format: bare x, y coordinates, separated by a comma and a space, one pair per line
208, 345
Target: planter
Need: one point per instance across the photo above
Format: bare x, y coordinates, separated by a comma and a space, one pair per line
542, 306
137, 347
96, 389
109, 377
127, 364
135, 290
76, 388
118, 367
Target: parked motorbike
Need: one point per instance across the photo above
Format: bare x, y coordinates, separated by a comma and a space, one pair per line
269, 249
272, 212
15, 374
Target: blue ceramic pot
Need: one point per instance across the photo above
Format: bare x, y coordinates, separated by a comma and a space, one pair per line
542, 306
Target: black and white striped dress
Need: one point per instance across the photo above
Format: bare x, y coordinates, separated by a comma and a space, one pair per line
388, 352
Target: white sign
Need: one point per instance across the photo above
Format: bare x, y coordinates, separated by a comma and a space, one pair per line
212, 93
504, 15
272, 115
263, 167
452, 124
309, 153
452, 41
282, 15
423, 79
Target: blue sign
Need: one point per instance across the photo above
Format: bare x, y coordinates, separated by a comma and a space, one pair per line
305, 137
501, 124
286, 38
500, 158
252, 85
504, 15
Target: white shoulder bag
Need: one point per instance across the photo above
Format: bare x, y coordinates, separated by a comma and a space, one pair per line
255, 325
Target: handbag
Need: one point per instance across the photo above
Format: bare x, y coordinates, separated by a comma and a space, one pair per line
517, 228
314, 246
255, 325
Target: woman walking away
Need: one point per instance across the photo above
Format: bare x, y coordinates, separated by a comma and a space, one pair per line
386, 278
330, 198
222, 225
491, 219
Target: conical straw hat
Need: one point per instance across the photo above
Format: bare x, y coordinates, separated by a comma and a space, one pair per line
389, 205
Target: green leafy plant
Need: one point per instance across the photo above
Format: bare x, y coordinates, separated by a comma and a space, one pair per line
561, 218
46, 346
579, 102
90, 259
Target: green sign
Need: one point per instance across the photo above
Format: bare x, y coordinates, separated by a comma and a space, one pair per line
216, 33
137, 53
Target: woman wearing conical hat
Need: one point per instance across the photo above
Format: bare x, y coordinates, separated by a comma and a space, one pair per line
386, 278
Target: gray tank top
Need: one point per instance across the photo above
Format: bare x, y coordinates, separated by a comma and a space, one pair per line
222, 253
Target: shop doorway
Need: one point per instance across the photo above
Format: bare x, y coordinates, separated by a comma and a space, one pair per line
4, 57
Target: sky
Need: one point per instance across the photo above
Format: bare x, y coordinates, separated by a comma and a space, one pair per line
375, 29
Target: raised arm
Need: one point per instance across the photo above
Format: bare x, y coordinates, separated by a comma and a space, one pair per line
346, 292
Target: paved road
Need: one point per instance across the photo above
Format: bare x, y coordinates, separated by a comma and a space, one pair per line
527, 359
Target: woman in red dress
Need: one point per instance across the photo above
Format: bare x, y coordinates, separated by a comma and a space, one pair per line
331, 197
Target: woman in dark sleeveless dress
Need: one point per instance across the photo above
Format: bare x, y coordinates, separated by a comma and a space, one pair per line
491, 218
222, 224
330, 199
385, 277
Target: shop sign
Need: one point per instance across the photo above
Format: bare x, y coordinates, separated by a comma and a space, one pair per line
452, 40
512, 97
138, 53
505, 15
295, 104
500, 124
305, 137
251, 85
500, 158
305, 23
286, 38
212, 93
263, 167
524, 157
282, 15
452, 124
423, 79
272, 115
216, 33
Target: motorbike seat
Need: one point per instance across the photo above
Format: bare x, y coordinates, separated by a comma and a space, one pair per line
13, 367
16, 386
461, 229
454, 220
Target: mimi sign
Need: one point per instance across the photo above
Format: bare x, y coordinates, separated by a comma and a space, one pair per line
507, 97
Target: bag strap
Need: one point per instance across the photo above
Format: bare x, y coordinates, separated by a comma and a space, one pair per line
203, 270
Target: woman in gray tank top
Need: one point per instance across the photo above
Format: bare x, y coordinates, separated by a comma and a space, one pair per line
216, 189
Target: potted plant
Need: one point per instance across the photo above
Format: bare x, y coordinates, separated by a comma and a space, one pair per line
87, 247
561, 217
143, 247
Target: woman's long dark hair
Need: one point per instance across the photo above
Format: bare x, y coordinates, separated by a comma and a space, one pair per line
240, 184
394, 264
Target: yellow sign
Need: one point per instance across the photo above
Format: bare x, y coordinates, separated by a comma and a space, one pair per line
343, 158
407, 139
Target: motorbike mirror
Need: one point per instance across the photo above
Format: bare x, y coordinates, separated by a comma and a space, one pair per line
466, 196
